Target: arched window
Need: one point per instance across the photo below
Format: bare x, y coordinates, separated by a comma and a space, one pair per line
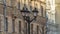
30, 8
19, 5
25, 27
31, 28
42, 11
19, 27
37, 29
6, 24
13, 25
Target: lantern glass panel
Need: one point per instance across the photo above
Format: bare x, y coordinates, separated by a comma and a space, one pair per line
35, 14
27, 13
23, 13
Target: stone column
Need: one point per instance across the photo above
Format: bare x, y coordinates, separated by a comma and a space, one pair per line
50, 12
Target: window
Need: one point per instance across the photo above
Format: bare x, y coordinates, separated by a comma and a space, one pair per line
42, 29
18, 5
6, 24
13, 25
36, 5
25, 27
19, 27
37, 29
30, 8
31, 28
42, 11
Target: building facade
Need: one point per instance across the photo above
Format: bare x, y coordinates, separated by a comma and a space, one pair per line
11, 8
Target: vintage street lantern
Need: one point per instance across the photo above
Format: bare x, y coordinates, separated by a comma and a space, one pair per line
25, 13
